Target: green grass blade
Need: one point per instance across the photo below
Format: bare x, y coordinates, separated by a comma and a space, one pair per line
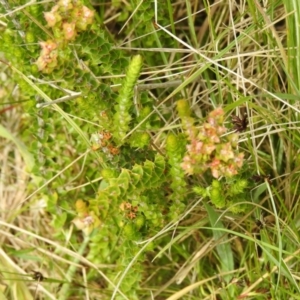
223, 247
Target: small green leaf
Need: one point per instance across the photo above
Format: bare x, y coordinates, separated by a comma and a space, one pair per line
59, 220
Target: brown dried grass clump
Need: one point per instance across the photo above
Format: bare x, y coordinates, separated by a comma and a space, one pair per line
18, 217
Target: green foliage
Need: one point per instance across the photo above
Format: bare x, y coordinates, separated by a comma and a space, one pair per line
122, 116
175, 146
128, 211
129, 162
131, 186
217, 196
227, 194
183, 108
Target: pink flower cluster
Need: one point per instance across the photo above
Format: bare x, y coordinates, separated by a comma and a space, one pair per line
47, 60
209, 150
69, 17
66, 19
